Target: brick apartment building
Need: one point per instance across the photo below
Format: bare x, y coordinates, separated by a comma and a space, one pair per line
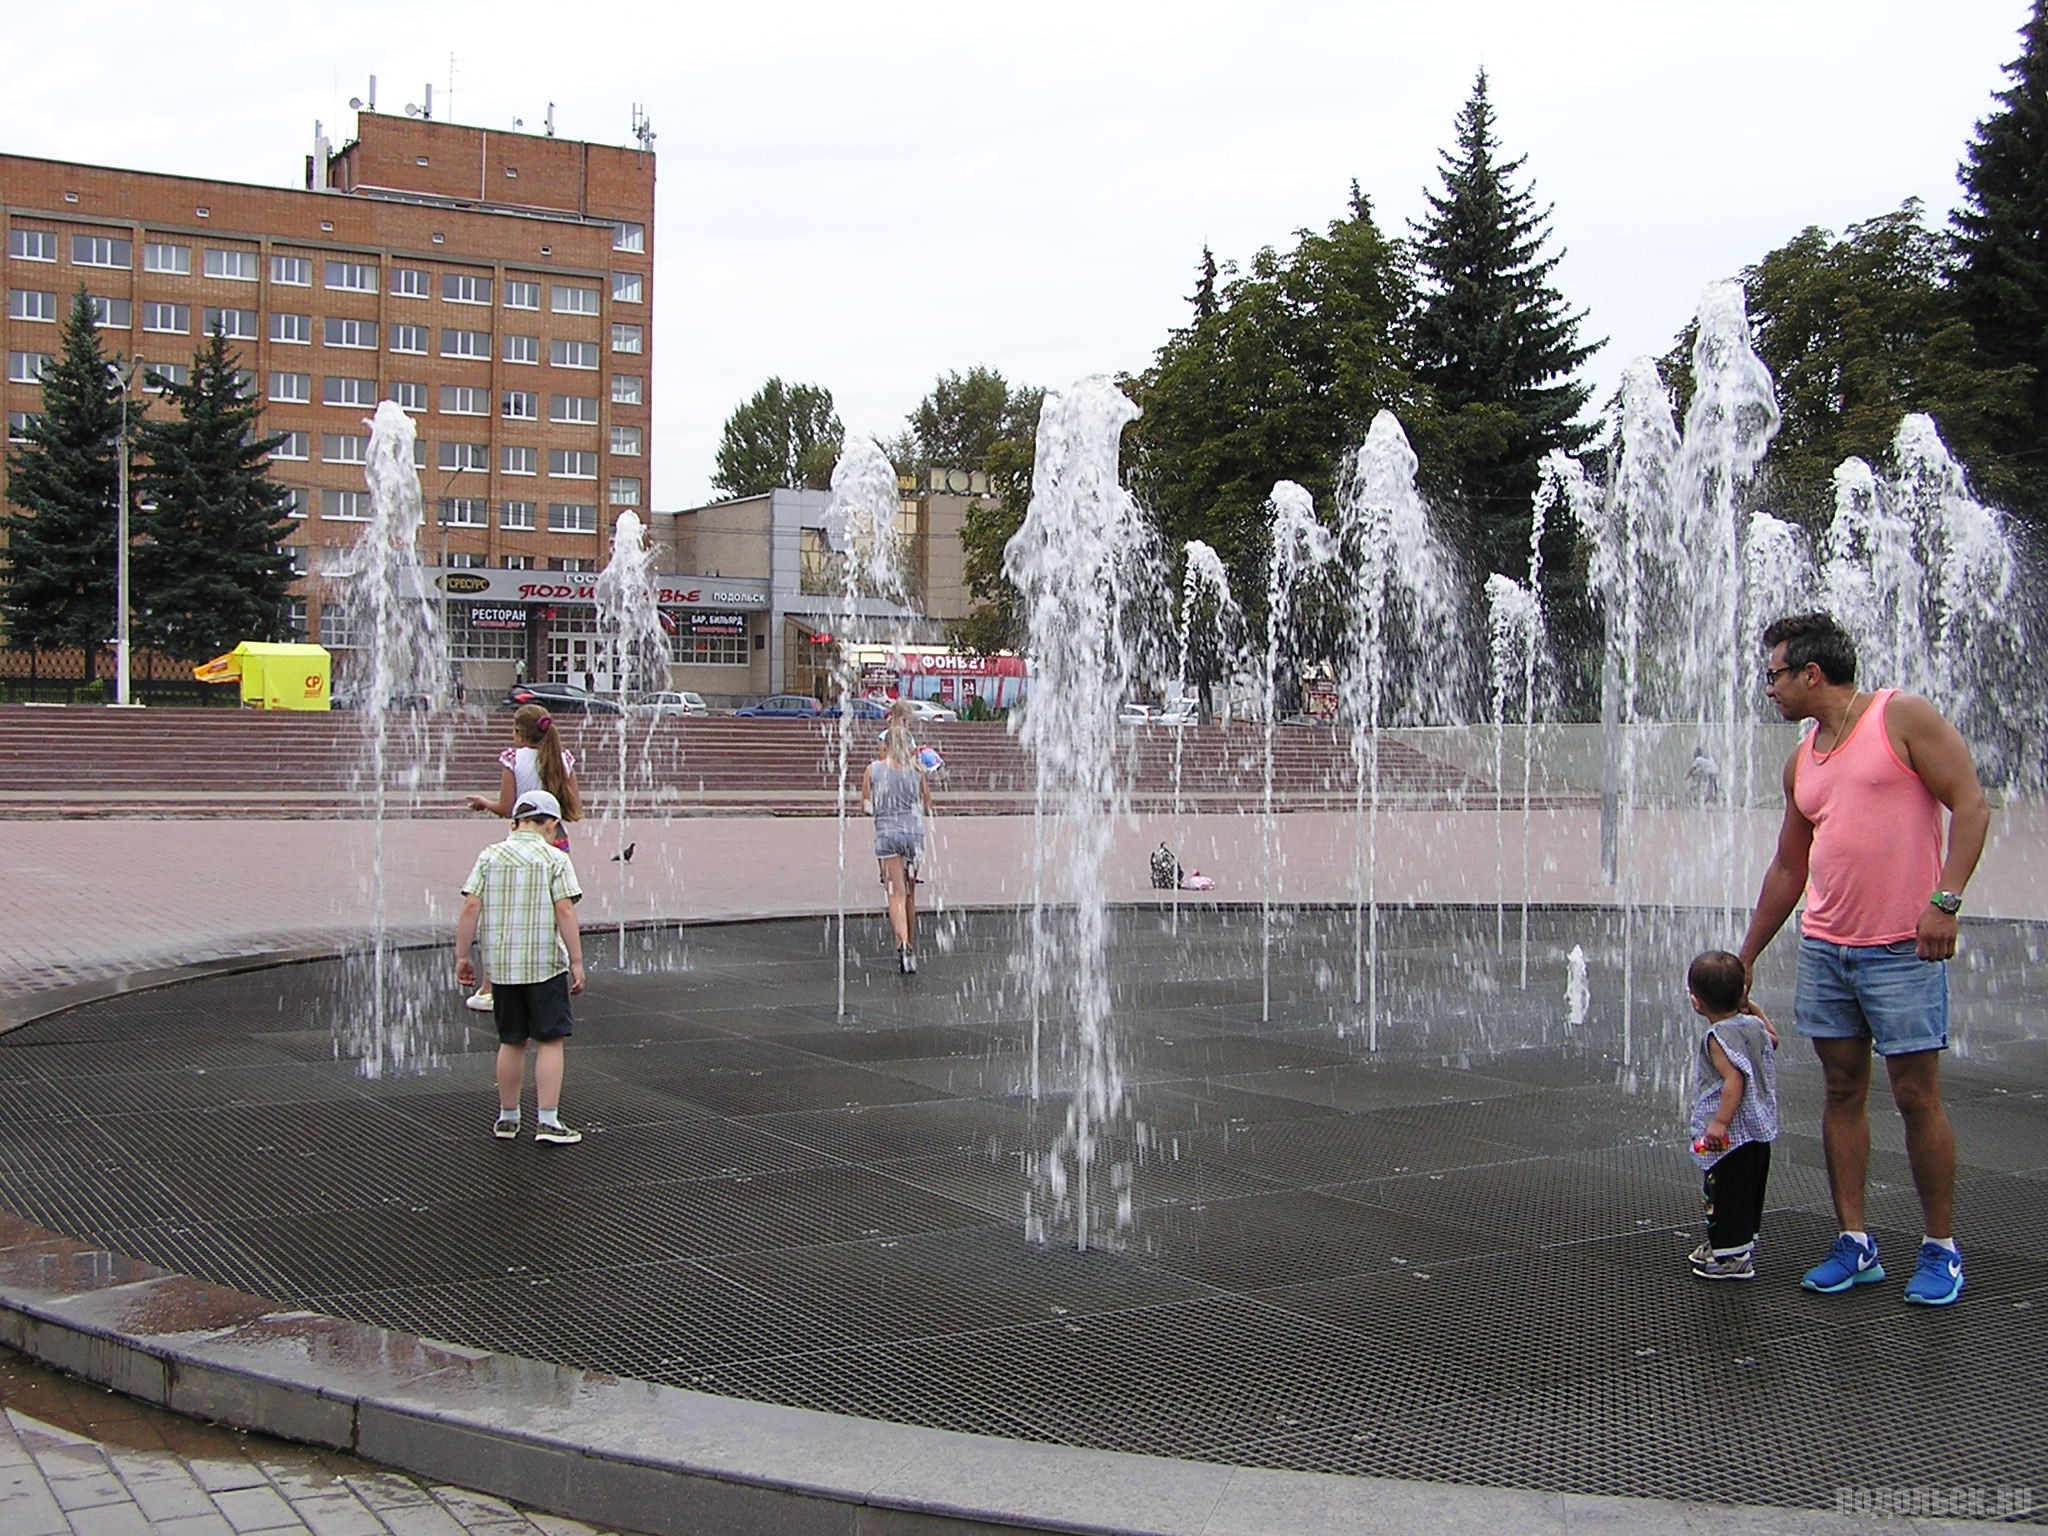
497, 285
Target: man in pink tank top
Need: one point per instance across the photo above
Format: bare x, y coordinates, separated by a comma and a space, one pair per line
1861, 840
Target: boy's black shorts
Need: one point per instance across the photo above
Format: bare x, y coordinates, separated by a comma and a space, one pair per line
532, 1010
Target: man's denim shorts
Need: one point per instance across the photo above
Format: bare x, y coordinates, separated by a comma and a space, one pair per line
1884, 993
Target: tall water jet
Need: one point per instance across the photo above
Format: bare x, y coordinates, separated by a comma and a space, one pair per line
1403, 626
860, 530
629, 628
401, 657
1079, 563
1211, 644
1302, 549
1515, 626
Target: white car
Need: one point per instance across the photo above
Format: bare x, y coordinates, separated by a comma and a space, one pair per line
670, 704
1138, 714
926, 710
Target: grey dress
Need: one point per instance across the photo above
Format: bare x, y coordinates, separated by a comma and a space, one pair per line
897, 797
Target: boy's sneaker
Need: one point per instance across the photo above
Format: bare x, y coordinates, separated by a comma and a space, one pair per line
506, 1129
1938, 1280
558, 1134
1849, 1263
1704, 1254
480, 1001
1741, 1266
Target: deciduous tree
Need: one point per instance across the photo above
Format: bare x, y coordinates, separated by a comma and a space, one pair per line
787, 435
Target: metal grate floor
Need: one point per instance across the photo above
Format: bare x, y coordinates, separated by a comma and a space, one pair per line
1458, 1258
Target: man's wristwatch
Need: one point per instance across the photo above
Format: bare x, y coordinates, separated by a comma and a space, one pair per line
1947, 901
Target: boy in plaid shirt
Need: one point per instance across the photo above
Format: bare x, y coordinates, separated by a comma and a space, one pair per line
522, 895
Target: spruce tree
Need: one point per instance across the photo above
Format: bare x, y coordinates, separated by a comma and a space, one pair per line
63, 486
210, 571
1494, 343
2001, 277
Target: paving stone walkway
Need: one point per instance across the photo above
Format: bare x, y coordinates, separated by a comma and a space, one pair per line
77, 1460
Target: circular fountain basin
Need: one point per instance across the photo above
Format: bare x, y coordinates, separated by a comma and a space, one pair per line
1439, 1241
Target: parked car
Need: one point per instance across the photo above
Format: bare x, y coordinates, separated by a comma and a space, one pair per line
1180, 712
560, 698
1137, 714
782, 706
863, 709
926, 710
662, 704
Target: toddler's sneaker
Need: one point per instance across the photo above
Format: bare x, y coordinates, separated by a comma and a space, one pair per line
1704, 1254
506, 1129
1740, 1266
1938, 1279
1849, 1263
558, 1134
480, 1001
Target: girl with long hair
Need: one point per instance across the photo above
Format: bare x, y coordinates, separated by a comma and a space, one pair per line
535, 760
898, 794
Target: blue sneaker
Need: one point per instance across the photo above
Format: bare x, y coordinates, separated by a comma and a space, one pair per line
1849, 1263
1939, 1278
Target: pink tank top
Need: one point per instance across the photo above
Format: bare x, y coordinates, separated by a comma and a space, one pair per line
1876, 836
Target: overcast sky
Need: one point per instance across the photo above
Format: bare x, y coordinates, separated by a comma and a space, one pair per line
864, 196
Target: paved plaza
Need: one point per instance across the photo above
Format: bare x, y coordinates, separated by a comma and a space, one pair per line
1420, 1266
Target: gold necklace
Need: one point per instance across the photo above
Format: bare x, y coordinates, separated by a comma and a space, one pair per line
1841, 729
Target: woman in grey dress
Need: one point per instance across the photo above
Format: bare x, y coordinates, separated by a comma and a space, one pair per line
898, 795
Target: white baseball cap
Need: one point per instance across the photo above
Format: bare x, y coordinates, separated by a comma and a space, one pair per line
537, 802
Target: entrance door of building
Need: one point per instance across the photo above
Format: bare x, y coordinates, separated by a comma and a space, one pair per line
580, 658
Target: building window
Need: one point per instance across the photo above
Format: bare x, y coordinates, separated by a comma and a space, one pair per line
235, 324
465, 512
522, 405
465, 456
160, 257
521, 294
411, 283
574, 299
157, 375
516, 517
572, 464
337, 391
298, 502
468, 560
409, 338
238, 266
625, 491
409, 397
337, 625
573, 354
465, 288
629, 237
465, 343
352, 276
626, 287
576, 408
292, 388
32, 244
18, 423
296, 329
626, 441
28, 304
519, 461
344, 448
628, 338
173, 319
572, 563
464, 400
294, 444
292, 271
626, 388
720, 650
26, 367
345, 506
522, 349
571, 517
115, 314
101, 251
469, 642
519, 562
361, 334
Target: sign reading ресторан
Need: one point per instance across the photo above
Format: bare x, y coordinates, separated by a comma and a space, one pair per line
744, 593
